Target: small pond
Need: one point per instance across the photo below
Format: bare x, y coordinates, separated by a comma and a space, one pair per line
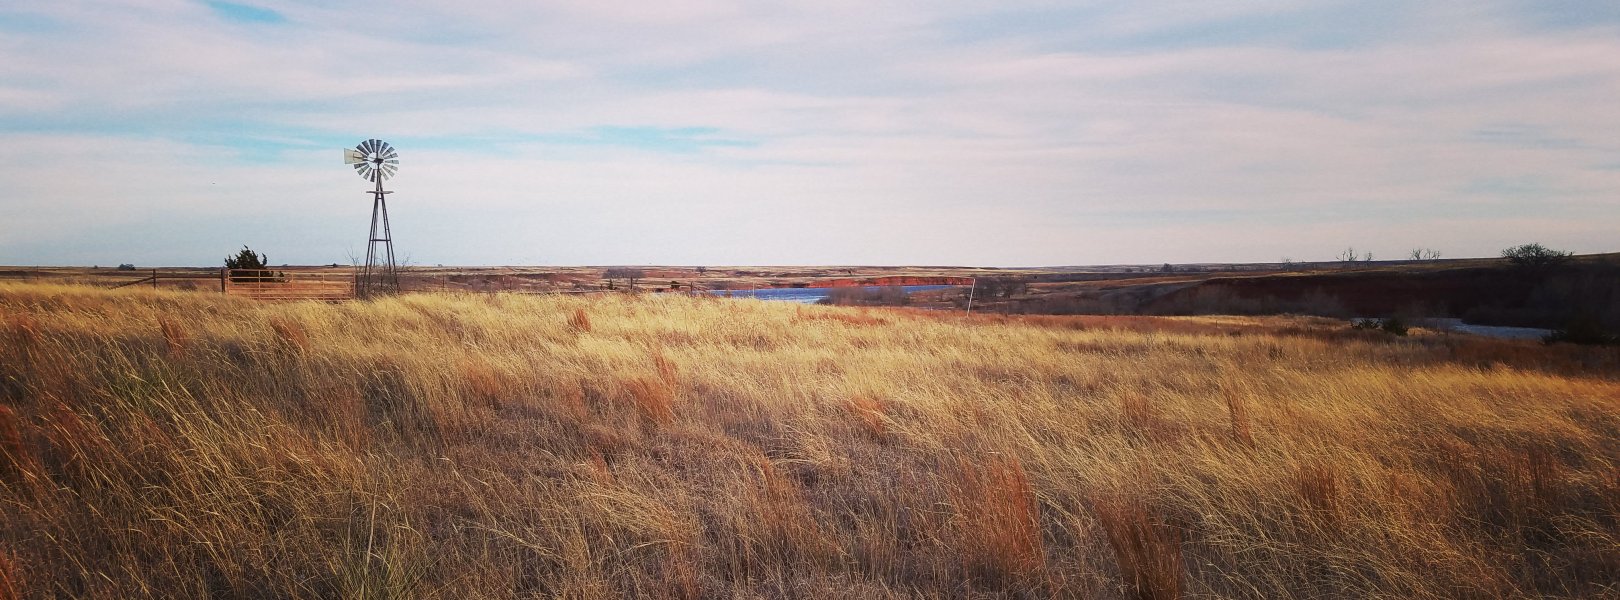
812, 295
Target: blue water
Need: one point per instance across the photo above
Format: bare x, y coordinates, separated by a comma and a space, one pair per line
812, 295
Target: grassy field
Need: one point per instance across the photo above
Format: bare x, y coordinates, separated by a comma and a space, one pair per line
166, 444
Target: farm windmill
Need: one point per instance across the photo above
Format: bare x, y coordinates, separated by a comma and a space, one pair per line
375, 160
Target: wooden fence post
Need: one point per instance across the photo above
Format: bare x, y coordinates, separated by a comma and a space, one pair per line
223, 274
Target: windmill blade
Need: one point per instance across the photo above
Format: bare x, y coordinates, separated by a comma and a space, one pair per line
373, 159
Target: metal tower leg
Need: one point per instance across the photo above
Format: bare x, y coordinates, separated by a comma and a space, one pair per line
379, 277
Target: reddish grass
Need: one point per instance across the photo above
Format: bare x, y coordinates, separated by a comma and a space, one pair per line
16, 462
861, 317
1147, 551
11, 584
1317, 486
24, 330
870, 412
290, 333
175, 338
1237, 409
579, 321
667, 371
653, 398
485, 383
998, 521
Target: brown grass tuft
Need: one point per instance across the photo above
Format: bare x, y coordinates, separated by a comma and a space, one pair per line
483, 381
604, 441
291, 333
16, 463
75, 441
1548, 477
175, 338
857, 317
1238, 411
785, 517
1317, 487
667, 371
24, 330
570, 395
597, 463
11, 583
1147, 551
871, 412
654, 399
1142, 419
997, 521
579, 322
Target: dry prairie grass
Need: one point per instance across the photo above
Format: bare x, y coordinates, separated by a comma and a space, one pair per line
159, 444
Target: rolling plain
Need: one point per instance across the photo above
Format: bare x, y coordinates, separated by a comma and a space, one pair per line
498, 445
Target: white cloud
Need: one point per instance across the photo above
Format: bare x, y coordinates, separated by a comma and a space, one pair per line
869, 133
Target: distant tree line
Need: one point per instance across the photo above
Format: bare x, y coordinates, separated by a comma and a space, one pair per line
1000, 287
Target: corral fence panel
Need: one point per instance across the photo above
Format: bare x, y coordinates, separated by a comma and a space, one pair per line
288, 284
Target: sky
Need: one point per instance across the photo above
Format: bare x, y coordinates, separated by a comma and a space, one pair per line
709, 132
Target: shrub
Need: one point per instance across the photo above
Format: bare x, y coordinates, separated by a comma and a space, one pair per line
1391, 325
1535, 257
248, 265
1394, 326
1584, 330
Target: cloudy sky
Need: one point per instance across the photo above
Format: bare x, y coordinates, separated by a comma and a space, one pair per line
829, 132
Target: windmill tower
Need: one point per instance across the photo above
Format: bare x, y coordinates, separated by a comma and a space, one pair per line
375, 160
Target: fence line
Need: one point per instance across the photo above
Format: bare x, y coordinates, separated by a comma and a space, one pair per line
282, 284
338, 283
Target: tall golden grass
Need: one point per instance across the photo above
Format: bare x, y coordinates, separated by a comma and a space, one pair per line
164, 444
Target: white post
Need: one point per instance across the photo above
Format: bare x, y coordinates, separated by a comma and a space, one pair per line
973, 282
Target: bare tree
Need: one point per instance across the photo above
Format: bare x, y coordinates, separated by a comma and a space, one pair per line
1424, 254
630, 275
1349, 255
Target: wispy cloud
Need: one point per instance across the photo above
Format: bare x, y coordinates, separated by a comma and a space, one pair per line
730, 132
245, 12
